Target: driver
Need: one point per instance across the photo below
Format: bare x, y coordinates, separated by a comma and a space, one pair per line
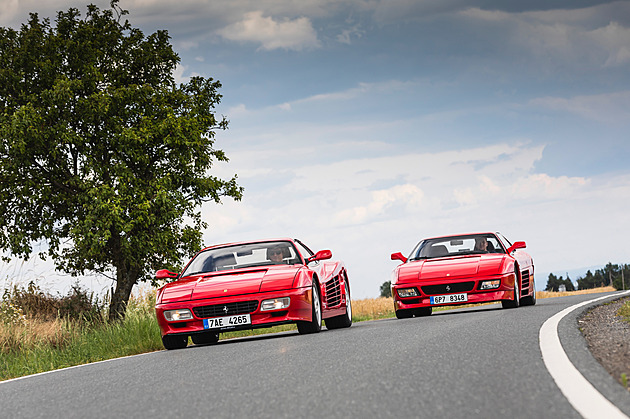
276, 255
481, 244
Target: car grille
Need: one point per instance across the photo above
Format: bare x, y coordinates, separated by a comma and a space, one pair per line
525, 280
227, 309
442, 288
333, 292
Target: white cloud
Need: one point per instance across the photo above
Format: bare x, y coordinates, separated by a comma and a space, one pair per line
615, 39
297, 34
400, 195
609, 107
579, 37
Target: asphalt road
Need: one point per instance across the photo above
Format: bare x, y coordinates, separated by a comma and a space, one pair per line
483, 362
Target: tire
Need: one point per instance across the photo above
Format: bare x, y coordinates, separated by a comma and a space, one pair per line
517, 292
345, 320
423, 311
404, 313
174, 341
530, 300
207, 338
315, 325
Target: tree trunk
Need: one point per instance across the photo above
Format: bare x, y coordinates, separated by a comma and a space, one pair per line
120, 298
126, 277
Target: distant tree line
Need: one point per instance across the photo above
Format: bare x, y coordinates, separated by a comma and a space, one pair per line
612, 274
554, 283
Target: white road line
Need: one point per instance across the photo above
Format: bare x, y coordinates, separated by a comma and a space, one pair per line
74, 366
579, 392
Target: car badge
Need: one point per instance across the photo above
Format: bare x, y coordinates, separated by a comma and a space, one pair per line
225, 309
448, 288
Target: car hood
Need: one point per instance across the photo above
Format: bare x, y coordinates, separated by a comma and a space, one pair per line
230, 283
457, 267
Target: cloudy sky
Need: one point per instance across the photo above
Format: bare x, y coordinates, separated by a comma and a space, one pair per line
365, 125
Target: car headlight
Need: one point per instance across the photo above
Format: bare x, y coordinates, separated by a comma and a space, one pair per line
275, 304
489, 285
407, 292
180, 314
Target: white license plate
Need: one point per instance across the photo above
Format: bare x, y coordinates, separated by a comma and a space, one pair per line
226, 322
450, 298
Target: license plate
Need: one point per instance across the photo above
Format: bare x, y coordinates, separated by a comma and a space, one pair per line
450, 298
227, 322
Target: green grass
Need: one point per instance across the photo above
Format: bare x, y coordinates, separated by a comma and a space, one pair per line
624, 311
139, 333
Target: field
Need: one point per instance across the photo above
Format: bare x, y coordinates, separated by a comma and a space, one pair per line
32, 344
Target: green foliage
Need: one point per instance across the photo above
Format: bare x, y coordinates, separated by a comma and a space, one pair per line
624, 311
554, 282
386, 289
612, 274
102, 156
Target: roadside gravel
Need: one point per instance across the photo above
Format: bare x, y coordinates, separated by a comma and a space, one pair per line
608, 338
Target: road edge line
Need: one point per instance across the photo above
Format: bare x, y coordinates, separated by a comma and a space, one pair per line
74, 366
584, 398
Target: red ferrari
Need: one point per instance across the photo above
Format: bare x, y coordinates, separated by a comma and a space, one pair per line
462, 269
250, 285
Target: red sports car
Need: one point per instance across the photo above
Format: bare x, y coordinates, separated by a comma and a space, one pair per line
462, 269
250, 285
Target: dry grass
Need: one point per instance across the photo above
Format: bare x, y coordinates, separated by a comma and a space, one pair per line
34, 332
372, 308
551, 294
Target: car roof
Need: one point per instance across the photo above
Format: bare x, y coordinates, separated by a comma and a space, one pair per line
463, 234
216, 246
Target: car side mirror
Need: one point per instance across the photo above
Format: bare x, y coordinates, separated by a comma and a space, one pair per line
398, 256
321, 255
165, 274
516, 245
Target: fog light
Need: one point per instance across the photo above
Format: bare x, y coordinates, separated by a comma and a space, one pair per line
175, 315
488, 285
275, 304
407, 292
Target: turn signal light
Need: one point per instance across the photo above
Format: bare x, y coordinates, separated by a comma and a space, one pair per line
407, 292
176, 315
275, 304
489, 285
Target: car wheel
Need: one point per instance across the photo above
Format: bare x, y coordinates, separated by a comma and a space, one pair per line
517, 293
315, 325
423, 311
345, 320
404, 313
531, 299
174, 341
207, 338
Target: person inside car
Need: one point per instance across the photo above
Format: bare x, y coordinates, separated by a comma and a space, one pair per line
276, 254
481, 244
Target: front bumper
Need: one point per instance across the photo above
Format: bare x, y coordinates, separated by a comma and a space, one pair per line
300, 309
505, 291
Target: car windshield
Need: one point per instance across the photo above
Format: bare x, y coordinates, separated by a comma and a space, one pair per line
456, 246
243, 256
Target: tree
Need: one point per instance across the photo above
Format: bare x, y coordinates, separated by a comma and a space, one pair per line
554, 282
587, 281
104, 157
386, 289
